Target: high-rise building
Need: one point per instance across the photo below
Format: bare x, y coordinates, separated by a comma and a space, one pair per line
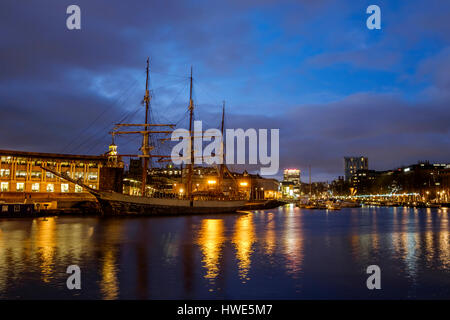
353, 164
290, 186
292, 175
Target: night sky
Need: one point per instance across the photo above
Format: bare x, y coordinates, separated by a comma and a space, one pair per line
310, 68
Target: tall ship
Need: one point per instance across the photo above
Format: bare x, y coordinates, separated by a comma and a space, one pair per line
117, 203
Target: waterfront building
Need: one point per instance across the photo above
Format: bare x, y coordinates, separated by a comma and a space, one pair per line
353, 164
290, 186
246, 185
260, 188
362, 181
292, 175
431, 181
22, 177
170, 180
289, 190
340, 187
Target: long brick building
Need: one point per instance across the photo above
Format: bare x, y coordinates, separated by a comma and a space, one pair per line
22, 176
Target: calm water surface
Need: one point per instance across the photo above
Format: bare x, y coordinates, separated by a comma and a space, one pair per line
284, 253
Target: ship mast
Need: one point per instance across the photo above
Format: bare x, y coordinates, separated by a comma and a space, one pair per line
145, 141
310, 185
221, 167
191, 163
146, 148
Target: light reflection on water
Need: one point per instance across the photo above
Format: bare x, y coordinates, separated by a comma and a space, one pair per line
211, 240
109, 283
270, 236
243, 240
281, 253
293, 242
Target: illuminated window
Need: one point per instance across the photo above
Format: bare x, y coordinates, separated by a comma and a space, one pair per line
64, 187
35, 174
50, 187
78, 188
35, 187
49, 175
79, 175
4, 172
92, 176
20, 186
21, 174
4, 186
6, 159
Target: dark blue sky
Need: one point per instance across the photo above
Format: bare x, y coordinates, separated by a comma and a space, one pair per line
310, 68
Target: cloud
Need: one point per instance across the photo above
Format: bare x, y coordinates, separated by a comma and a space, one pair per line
361, 59
386, 128
387, 100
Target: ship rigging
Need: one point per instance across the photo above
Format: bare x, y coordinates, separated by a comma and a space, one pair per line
113, 202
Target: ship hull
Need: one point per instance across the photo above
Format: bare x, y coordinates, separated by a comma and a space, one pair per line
117, 204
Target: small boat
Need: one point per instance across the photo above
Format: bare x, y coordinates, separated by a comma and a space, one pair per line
315, 205
333, 206
350, 204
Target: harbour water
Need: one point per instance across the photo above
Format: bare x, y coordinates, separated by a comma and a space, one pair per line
283, 253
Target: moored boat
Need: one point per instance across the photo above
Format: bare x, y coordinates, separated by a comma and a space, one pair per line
116, 203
